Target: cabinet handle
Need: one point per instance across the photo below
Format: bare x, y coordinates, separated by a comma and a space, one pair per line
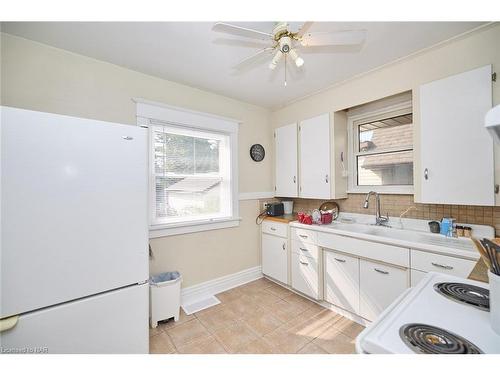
326, 178
426, 173
302, 236
301, 248
294, 179
304, 263
273, 228
340, 260
382, 272
283, 246
442, 266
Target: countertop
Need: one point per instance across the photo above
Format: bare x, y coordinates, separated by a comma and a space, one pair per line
478, 273
283, 218
436, 243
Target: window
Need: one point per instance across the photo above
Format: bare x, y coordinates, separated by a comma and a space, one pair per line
191, 175
193, 170
382, 151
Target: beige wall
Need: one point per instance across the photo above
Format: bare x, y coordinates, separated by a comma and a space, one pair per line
39, 77
474, 50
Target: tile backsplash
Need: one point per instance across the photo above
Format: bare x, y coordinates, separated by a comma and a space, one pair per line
394, 205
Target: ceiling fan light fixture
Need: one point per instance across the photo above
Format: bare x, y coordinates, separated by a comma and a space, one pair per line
276, 59
299, 61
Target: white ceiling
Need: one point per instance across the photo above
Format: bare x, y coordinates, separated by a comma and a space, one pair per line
192, 54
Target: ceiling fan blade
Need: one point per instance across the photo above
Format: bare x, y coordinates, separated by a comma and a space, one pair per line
336, 38
227, 28
304, 28
240, 43
253, 58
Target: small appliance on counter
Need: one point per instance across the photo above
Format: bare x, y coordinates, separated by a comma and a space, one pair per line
275, 209
288, 207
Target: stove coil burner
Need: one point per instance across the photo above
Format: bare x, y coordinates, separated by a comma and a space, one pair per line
426, 339
465, 293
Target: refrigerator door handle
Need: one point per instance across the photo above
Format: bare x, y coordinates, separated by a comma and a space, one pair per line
8, 323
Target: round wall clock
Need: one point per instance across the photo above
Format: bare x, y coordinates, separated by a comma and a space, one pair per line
257, 152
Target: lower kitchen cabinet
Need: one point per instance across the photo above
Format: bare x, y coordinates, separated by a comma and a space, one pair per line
305, 274
342, 280
416, 277
274, 257
380, 285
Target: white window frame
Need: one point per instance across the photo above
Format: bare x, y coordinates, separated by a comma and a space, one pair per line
352, 123
151, 114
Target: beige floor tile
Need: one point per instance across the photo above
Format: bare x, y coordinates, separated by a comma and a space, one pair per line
285, 341
284, 310
300, 301
229, 295
161, 344
183, 318
348, 327
205, 345
263, 297
155, 331
279, 291
243, 306
335, 342
215, 319
314, 326
235, 336
263, 322
259, 346
260, 284
312, 348
188, 332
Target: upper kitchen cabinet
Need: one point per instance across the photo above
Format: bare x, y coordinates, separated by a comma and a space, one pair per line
318, 147
456, 151
314, 146
286, 176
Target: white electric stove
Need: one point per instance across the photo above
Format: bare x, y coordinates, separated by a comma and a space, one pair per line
442, 314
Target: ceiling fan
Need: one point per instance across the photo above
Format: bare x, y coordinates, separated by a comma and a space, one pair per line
283, 42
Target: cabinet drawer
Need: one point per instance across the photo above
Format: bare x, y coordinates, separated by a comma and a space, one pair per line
303, 235
429, 262
277, 229
399, 256
342, 280
306, 249
305, 277
380, 285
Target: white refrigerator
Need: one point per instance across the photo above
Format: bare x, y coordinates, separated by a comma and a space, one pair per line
74, 235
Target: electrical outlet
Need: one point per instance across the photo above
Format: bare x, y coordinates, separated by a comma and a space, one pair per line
264, 204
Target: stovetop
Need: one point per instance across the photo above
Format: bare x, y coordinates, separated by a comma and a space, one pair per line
468, 294
430, 319
426, 339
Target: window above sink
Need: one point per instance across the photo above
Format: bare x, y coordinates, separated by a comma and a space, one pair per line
381, 150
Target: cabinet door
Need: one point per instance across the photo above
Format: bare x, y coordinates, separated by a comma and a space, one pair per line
416, 277
456, 151
342, 281
315, 157
305, 278
379, 286
286, 161
274, 257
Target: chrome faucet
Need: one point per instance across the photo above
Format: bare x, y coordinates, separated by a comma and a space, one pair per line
379, 219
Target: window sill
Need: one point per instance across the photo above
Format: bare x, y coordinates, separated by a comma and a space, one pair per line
165, 230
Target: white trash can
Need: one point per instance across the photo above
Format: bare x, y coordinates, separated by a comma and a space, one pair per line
164, 297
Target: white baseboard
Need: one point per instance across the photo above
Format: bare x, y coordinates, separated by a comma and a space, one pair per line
221, 284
